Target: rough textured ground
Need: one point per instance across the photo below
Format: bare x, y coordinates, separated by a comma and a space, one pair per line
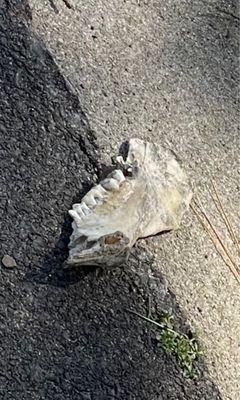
167, 71
67, 335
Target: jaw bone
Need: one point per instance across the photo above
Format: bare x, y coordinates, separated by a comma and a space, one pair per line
147, 195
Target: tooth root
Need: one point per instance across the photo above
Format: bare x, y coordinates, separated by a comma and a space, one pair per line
99, 194
89, 200
85, 209
99, 199
99, 190
118, 175
110, 184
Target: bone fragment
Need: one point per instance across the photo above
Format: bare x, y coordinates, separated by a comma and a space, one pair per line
147, 194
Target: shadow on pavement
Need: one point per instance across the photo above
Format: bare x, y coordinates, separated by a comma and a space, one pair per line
67, 335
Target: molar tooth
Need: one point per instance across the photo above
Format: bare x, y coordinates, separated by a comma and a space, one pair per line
110, 184
100, 191
75, 206
89, 200
118, 175
78, 209
77, 219
95, 196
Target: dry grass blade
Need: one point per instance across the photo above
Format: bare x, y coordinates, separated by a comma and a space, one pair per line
207, 225
227, 252
224, 216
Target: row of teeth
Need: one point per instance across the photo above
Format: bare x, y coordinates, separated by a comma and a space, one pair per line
96, 196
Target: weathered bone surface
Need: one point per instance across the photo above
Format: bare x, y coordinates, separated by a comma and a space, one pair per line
147, 194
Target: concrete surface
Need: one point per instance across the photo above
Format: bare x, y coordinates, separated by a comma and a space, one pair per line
167, 71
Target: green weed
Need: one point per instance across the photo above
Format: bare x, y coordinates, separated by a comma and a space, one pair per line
186, 350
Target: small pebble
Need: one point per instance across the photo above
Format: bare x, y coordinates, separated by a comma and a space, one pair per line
8, 262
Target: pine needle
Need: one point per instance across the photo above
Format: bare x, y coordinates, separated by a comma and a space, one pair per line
216, 239
227, 252
224, 216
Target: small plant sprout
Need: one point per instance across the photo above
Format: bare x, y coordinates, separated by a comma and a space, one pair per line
185, 350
